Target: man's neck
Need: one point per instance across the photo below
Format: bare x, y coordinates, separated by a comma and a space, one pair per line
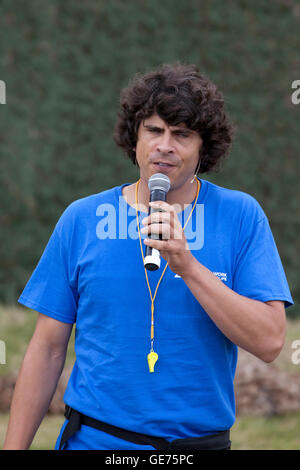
179, 197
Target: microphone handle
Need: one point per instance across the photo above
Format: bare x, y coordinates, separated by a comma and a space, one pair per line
152, 256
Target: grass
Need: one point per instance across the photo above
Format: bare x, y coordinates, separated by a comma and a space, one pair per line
46, 435
16, 328
272, 433
248, 433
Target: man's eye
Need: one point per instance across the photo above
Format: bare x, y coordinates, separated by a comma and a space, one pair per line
182, 134
154, 130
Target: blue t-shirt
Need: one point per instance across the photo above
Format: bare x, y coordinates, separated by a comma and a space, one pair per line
91, 273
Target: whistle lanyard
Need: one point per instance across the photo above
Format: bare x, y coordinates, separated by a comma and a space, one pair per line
153, 356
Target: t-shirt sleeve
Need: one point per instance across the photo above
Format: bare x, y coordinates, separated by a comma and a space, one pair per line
259, 273
49, 290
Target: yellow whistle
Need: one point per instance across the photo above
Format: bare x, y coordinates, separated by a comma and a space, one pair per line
152, 358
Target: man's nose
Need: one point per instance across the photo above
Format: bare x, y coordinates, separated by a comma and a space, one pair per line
165, 144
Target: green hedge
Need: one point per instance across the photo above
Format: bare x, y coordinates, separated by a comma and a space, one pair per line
64, 63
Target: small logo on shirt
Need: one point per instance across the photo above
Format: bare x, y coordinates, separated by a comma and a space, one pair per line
177, 275
221, 276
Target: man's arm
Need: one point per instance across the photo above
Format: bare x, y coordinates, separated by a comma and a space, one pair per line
258, 327
37, 381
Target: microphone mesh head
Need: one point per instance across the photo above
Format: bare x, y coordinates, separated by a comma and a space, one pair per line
159, 181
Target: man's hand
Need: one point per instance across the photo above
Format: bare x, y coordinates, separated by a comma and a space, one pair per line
174, 247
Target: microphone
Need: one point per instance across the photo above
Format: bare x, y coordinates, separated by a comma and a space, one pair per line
158, 184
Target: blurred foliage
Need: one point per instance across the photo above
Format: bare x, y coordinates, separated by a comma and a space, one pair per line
64, 64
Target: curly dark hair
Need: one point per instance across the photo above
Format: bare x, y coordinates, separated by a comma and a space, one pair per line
178, 93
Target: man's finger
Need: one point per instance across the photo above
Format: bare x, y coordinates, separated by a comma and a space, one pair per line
162, 205
158, 217
160, 245
163, 229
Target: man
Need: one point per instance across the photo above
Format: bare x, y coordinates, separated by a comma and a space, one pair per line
220, 285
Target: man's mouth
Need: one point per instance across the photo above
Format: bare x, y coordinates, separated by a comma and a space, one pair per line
163, 164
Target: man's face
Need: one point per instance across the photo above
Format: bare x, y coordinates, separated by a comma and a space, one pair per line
172, 150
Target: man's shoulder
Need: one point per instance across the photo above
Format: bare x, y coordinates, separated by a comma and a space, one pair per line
82, 209
228, 194
91, 201
234, 200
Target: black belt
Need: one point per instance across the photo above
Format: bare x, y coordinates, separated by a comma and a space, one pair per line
219, 441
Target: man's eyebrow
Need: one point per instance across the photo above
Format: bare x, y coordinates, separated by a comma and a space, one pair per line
152, 126
184, 129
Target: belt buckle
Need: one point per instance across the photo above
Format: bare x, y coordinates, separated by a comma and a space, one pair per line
68, 411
